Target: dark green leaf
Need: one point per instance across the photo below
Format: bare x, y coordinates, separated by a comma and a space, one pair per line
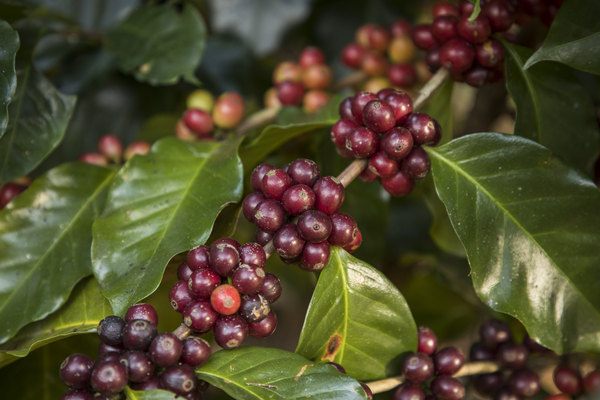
159, 205
9, 43
574, 37
531, 228
358, 319
45, 242
156, 394
226, 222
83, 311
476, 10
159, 44
38, 118
266, 373
553, 108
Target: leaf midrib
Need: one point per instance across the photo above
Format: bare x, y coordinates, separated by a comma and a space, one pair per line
346, 307
245, 389
545, 53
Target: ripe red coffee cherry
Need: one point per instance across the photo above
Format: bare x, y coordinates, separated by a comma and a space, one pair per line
142, 311
179, 379
379, 38
200, 316
408, 392
275, 183
402, 105
384, 92
76, 371
567, 380
248, 278
513, 356
314, 100
524, 383
195, 351
448, 361
253, 253
184, 271
104, 348
225, 299
310, 56
263, 328
249, 204
107, 357
379, 116
457, 55
153, 383
287, 71
262, 237
298, 199
180, 296
341, 130
230, 331
397, 143
354, 244
427, 341
398, 185
228, 110
476, 31
374, 64
226, 240
254, 308
353, 55
500, 14
109, 378
445, 8
139, 367
330, 194
203, 282
362, 142
443, 28
343, 230
271, 289
315, 256
111, 147
317, 76
476, 76
432, 59
258, 174
224, 259
382, 166
88, 158
345, 109
199, 121
344, 152
490, 53
269, 216
359, 101
447, 388
165, 349
402, 75
290, 93
423, 37
314, 226
416, 164
140, 148
197, 258
400, 27
287, 242
304, 171
417, 368
591, 383
466, 8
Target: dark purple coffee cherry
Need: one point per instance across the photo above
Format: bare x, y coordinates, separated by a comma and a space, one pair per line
512, 356
338, 367
457, 55
104, 348
184, 272
180, 296
382, 166
479, 352
343, 229
264, 328
379, 116
315, 256
490, 53
254, 308
427, 341
195, 351
443, 28
447, 388
533, 346
262, 237
248, 278
275, 183
139, 367
345, 109
367, 390
232, 242
200, 316
197, 258
409, 392
109, 378
504, 393
106, 357
341, 130
416, 164
487, 384
397, 143
304, 172
398, 185
179, 379
250, 203
77, 394
567, 380
476, 76
422, 128
476, 31
359, 101
402, 105
524, 383
500, 14
330, 194
203, 282
494, 333
230, 331
224, 259
448, 361
423, 37
253, 253
269, 216
432, 59
362, 142
76, 370
257, 176
153, 383
138, 334
165, 349
417, 368
271, 289
298, 199
110, 330
287, 242
314, 226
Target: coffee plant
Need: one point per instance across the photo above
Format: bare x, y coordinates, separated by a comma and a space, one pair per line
299, 199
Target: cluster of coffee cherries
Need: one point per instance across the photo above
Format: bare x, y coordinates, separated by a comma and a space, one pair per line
203, 113
225, 288
301, 83
10, 190
298, 211
132, 352
110, 151
383, 128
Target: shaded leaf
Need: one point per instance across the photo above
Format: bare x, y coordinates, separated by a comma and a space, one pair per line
531, 228
158, 44
553, 108
9, 43
158, 206
357, 318
45, 242
156, 394
266, 373
226, 222
83, 311
574, 37
158, 126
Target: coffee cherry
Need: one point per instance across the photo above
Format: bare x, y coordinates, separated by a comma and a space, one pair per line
195, 351
317, 76
479, 352
249, 204
248, 278
314, 226
379, 116
416, 164
397, 143
180, 296
184, 271
402, 105
427, 341
298, 199
533, 8
345, 109
447, 388
494, 333
77, 394
138, 334
254, 308
110, 330
476, 76
287, 71
111, 147
109, 378
504, 393
165, 349
107, 357
500, 14
466, 8
432, 59
228, 110
401, 49
400, 27
76, 370
343, 230
512, 356
358, 103
567, 380
88, 158
225, 299
304, 172
367, 175
382, 166
443, 28
591, 383
179, 379
200, 316
230, 331
374, 64
198, 257
104, 348
338, 367
445, 8
140, 148
224, 259
264, 328
362, 142
355, 243
422, 128
142, 311
314, 100
310, 56
258, 174
288, 242
379, 37
199, 121
253, 253
408, 392
344, 152
315, 256
398, 185
226, 240
353, 55
330, 194
139, 367
490, 53
153, 383
269, 215
487, 384
423, 37
402, 75
476, 31
457, 55
417, 368
201, 99
290, 93
524, 383
533, 346
448, 361
275, 183
262, 237
271, 289
367, 390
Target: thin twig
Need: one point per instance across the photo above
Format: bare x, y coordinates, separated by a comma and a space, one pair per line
182, 331
257, 119
350, 80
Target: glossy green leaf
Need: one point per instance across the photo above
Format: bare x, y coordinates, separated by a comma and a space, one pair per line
358, 319
160, 205
156, 394
37, 120
574, 37
83, 311
45, 242
257, 373
9, 43
553, 108
159, 44
531, 227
